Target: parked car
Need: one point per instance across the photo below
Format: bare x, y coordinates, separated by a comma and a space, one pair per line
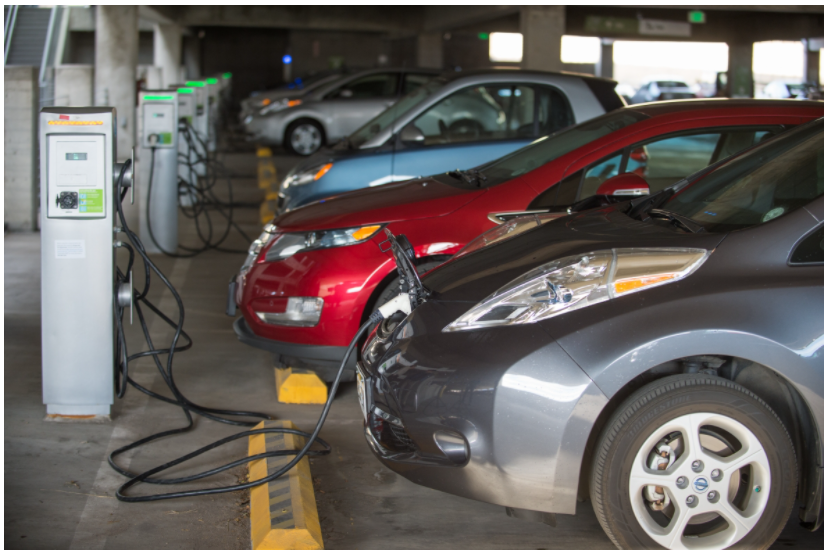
326, 114
316, 273
663, 357
292, 90
788, 89
459, 120
663, 89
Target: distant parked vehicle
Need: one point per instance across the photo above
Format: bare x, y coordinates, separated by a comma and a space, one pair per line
328, 113
663, 89
459, 120
790, 89
295, 89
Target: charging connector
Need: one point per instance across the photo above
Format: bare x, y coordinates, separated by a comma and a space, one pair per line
399, 303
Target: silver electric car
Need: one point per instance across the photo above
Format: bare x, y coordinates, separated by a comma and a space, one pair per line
330, 112
662, 357
293, 90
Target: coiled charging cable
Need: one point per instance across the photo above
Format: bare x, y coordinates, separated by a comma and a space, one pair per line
399, 303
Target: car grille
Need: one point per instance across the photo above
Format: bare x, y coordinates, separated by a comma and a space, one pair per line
391, 437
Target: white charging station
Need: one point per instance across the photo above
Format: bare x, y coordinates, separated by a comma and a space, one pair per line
78, 283
212, 84
158, 137
201, 122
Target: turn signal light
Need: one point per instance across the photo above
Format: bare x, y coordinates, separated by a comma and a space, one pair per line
624, 286
324, 169
292, 103
365, 232
266, 101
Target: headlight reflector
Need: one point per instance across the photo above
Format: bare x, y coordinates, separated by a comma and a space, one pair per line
575, 282
306, 176
288, 244
257, 245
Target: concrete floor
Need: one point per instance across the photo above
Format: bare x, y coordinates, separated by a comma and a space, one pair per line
59, 488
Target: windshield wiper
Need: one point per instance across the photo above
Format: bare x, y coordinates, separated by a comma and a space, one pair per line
640, 207
682, 221
471, 177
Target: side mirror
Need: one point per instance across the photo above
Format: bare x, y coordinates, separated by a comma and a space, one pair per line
412, 134
624, 185
345, 93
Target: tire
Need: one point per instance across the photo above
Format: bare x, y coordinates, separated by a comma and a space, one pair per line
728, 419
304, 137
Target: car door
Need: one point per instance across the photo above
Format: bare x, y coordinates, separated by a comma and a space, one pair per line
354, 103
480, 123
661, 161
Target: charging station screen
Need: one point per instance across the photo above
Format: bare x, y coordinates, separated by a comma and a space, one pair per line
76, 156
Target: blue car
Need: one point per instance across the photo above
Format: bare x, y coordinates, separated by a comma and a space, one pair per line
460, 120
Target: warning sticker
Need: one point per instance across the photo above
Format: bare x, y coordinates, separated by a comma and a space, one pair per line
70, 249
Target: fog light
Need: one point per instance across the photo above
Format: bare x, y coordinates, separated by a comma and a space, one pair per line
453, 445
300, 311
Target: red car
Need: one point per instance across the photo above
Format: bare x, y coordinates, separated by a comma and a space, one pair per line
317, 272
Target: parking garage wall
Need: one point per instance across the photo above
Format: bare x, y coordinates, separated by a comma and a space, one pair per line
20, 148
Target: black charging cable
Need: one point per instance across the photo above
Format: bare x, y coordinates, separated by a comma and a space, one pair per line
188, 407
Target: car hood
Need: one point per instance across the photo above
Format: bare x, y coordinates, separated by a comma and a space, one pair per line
405, 200
473, 277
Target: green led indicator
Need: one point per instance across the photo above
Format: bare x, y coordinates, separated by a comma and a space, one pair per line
195, 83
158, 97
185, 91
483, 36
226, 75
211, 80
696, 16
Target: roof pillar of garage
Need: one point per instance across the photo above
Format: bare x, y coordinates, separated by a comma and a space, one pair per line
811, 68
429, 52
167, 52
542, 28
740, 72
116, 56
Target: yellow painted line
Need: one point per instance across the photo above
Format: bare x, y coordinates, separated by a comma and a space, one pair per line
267, 211
299, 386
283, 512
264, 152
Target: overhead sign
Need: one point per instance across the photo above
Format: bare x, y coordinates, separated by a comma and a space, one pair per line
663, 28
611, 25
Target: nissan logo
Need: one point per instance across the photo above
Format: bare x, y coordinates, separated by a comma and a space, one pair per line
700, 484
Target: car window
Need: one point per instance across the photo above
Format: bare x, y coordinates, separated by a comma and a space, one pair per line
549, 148
554, 112
758, 186
370, 86
493, 112
810, 249
664, 162
389, 116
413, 81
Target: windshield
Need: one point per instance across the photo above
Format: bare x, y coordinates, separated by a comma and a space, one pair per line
761, 185
386, 118
546, 149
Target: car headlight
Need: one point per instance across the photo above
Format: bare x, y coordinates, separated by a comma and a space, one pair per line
257, 245
306, 176
288, 244
271, 106
575, 282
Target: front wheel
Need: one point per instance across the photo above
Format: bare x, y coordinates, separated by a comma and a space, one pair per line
694, 462
304, 137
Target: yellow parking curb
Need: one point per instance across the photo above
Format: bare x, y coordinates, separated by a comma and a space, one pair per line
264, 152
283, 511
299, 386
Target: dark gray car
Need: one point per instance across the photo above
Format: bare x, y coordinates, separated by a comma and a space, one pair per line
663, 357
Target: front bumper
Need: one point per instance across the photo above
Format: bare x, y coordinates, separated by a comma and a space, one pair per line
519, 403
324, 360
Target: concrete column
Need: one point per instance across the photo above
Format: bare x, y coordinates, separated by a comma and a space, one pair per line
429, 50
811, 67
167, 52
542, 28
740, 73
73, 85
20, 148
116, 55
604, 66
191, 57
